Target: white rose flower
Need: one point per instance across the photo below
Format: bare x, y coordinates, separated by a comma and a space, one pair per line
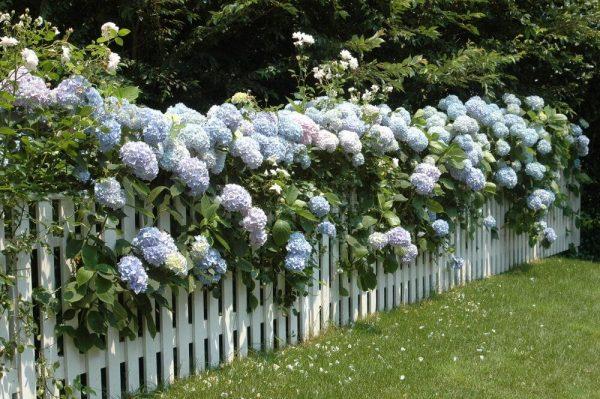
301, 39
66, 54
113, 62
30, 59
276, 188
6, 41
108, 28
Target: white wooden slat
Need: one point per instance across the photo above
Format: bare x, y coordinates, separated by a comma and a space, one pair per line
214, 330
326, 281
354, 297
304, 318
199, 329
335, 281
314, 297
389, 293
293, 325
345, 300
132, 347
6, 383
228, 318
167, 333
269, 316
380, 287
256, 319
49, 343
242, 316
281, 332
25, 359
183, 330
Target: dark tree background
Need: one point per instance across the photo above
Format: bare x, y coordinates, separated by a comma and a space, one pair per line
201, 52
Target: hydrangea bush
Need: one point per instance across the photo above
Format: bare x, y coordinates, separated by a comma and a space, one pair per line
263, 186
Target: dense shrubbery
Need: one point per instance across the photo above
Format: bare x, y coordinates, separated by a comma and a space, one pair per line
264, 182
201, 53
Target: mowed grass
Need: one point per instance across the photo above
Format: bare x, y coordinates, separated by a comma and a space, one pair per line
531, 333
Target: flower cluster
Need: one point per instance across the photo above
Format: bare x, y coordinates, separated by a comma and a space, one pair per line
208, 265
133, 273
424, 178
298, 252
158, 249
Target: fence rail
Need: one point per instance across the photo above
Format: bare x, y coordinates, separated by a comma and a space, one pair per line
202, 331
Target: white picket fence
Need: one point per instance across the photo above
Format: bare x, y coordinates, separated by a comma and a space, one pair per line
202, 331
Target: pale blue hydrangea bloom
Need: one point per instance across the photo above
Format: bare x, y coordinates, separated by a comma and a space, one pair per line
327, 228
410, 253
265, 123
535, 170
70, 92
582, 143
398, 237
383, 139
174, 151
544, 147
109, 193
199, 248
540, 199
428, 169
500, 130
536, 103
82, 174
138, 156
440, 227
254, 220
475, 179
422, 183
186, 114
133, 273
194, 138
314, 114
465, 125
211, 268
445, 102
465, 142
399, 127
510, 98
378, 240
550, 235
156, 126
506, 177
218, 132
502, 148
298, 252
319, 206
154, 245
358, 159
108, 134
194, 173
235, 198
489, 222
456, 110
442, 133
288, 128
350, 142
416, 139
476, 107
31, 91
227, 113
248, 149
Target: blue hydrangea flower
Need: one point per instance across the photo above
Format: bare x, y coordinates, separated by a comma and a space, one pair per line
549, 235
476, 108
154, 245
506, 177
248, 149
440, 227
502, 148
139, 156
398, 237
235, 198
410, 253
544, 147
31, 91
442, 134
358, 160
156, 126
416, 139
455, 110
378, 240
319, 206
475, 179
327, 228
174, 151
422, 183
82, 174
536, 103
298, 252
510, 98
383, 139
108, 193
186, 114
71, 92
108, 134
399, 127
500, 130
211, 268
218, 132
199, 248
227, 113
288, 128
350, 142
465, 125
535, 170
194, 173
194, 138
254, 220
540, 199
489, 222
465, 142
133, 273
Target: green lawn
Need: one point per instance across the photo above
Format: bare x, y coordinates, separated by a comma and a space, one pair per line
530, 333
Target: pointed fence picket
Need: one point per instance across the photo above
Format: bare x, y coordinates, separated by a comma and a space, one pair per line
201, 330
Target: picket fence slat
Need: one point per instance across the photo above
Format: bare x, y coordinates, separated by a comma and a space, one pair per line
201, 329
